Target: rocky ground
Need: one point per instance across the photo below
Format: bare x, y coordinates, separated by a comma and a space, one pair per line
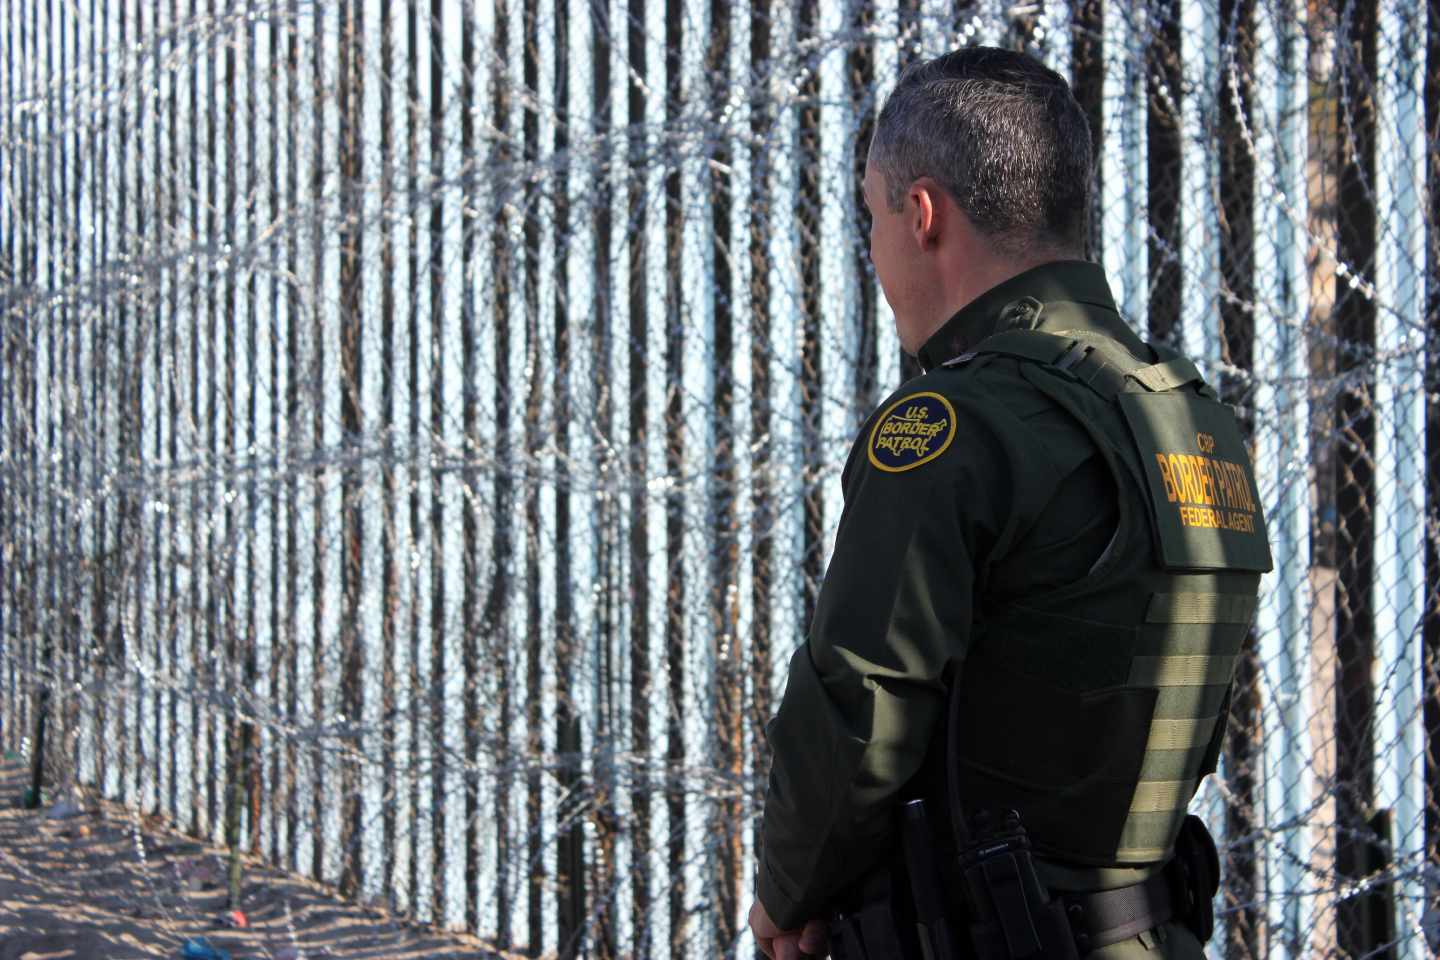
81, 887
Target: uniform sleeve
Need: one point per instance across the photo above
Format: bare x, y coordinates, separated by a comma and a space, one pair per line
866, 690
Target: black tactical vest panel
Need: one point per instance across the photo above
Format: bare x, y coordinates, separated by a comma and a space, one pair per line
1096, 709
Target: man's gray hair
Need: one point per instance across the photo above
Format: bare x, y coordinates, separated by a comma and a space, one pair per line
1003, 135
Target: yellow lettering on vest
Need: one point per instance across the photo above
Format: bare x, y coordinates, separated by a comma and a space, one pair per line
1192, 482
1245, 489
1224, 485
1210, 493
1177, 468
1167, 478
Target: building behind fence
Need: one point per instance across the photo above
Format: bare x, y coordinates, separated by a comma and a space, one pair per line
422, 421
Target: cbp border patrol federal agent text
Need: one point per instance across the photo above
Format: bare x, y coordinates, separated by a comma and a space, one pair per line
1020, 662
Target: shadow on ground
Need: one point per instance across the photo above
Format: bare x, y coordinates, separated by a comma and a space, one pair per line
83, 888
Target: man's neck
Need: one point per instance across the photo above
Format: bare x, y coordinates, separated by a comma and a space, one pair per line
962, 283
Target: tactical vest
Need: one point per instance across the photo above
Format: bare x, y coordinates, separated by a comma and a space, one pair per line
1095, 709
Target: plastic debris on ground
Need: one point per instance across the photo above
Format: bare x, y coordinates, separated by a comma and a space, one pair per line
198, 948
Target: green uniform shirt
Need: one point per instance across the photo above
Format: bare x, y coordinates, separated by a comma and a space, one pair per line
964, 488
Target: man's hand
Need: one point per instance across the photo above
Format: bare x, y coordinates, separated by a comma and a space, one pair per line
810, 941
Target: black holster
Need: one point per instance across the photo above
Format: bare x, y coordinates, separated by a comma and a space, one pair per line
904, 911
1194, 875
875, 925
901, 911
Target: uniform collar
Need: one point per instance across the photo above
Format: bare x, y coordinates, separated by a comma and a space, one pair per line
1078, 283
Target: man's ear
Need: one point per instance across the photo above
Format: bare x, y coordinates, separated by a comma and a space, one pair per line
925, 212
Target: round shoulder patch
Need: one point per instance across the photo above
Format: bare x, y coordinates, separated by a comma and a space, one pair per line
913, 430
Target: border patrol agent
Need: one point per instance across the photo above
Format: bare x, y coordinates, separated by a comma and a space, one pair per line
1046, 567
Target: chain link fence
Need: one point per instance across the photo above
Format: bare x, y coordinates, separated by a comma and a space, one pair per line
422, 422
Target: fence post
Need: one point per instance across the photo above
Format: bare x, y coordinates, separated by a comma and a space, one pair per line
1401, 141
1283, 422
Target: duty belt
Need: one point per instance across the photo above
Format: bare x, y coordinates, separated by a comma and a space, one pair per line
1096, 920
1109, 916
1182, 891
1000, 911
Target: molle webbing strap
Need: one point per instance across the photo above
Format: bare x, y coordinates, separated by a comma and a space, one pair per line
1161, 796
1146, 837
1179, 734
1173, 764
1155, 814
1188, 703
1200, 670
1190, 687
1201, 608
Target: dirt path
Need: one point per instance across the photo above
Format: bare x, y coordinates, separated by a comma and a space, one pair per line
79, 889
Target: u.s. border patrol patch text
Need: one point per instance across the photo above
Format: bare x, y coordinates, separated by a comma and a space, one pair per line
911, 431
